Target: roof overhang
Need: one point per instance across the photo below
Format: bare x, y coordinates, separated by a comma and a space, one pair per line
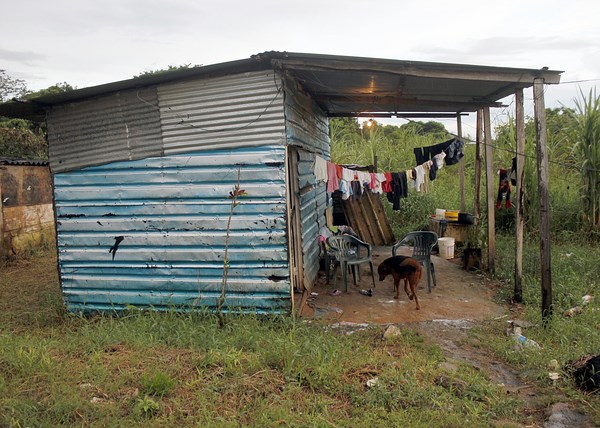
351, 86
343, 85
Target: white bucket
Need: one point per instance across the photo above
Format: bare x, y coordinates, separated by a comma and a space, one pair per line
446, 246
440, 213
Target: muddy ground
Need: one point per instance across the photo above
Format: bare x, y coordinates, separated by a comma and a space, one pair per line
459, 302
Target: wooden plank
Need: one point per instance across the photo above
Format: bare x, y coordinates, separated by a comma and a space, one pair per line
544, 195
463, 206
372, 239
372, 200
490, 194
519, 191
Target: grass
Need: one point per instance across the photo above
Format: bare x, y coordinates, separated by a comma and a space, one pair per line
575, 273
173, 369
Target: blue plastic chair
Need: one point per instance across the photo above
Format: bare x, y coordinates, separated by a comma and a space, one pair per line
422, 243
350, 252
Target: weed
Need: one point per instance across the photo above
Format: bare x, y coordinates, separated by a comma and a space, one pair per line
146, 407
157, 384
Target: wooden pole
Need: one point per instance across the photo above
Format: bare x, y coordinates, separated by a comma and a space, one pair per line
2, 252
462, 165
478, 139
490, 193
544, 195
519, 191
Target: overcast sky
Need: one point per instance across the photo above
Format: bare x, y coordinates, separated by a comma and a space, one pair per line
90, 42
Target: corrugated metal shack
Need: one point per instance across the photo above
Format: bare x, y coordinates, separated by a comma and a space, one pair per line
143, 169
26, 216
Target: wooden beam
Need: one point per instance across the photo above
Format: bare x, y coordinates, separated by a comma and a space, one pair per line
544, 196
398, 115
478, 138
463, 206
490, 193
395, 100
427, 70
519, 192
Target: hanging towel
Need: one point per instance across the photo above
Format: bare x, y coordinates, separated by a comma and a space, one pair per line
333, 183
320, 169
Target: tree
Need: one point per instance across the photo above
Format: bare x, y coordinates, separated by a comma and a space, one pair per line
19, 138
10, 87
58, 88
165, 70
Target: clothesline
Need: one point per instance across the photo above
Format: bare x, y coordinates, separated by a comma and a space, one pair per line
352, 183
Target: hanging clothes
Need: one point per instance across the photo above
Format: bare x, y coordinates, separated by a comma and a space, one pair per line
399, 188
345, 183
513, 172
503, 190
452, 148
333, 182
379, 182
386, 185
320, 169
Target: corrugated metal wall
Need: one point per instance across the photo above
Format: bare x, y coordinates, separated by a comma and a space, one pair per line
222, 112
307, 128
120, 126
152, 231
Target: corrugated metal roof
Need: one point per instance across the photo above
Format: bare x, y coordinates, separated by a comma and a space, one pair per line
346, 85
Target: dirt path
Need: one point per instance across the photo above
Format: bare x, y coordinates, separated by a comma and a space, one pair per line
460, 301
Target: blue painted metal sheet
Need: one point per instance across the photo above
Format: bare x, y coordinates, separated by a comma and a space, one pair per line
169, 216
307, 127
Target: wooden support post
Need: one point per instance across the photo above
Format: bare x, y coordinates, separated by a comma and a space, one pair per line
519, 191
478, 139
463, 207
2, 251
544, 195
490, 193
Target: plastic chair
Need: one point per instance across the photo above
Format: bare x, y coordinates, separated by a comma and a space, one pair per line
422, 242
350, 252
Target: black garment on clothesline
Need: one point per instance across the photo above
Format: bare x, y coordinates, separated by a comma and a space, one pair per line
399, 189
453, 149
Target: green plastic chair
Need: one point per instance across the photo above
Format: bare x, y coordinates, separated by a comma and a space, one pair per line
422, 243
350, 252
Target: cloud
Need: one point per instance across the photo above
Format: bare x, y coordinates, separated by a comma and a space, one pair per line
22, 57
508, 50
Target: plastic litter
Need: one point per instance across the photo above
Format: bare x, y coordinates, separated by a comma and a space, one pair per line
372, 382
336, 292
368, 292
524, 341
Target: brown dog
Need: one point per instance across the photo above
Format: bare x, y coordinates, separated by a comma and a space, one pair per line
402, 267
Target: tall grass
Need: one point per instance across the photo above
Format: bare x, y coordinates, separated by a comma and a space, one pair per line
587, 148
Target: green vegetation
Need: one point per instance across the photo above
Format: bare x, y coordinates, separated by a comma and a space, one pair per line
174, 369
24, 139
574, 140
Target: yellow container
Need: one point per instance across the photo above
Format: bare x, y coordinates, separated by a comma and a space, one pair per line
451, 215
